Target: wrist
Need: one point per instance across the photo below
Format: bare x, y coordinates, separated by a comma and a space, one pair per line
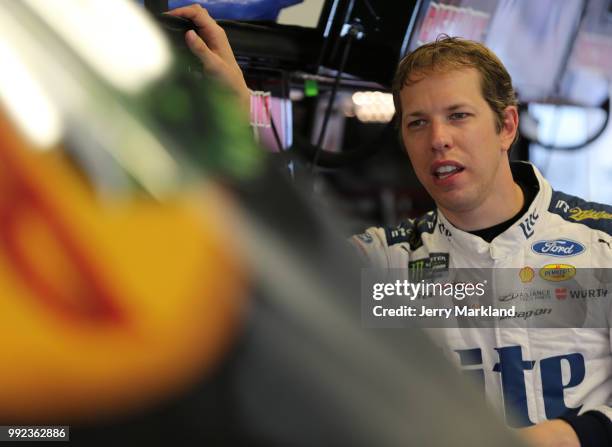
552, 433
244, 98
565, 433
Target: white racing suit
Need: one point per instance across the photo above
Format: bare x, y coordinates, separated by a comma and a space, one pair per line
533, 373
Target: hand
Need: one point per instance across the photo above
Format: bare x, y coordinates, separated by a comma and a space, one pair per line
553, 433
212, 47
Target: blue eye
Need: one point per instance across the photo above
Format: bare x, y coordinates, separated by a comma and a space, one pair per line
458, 115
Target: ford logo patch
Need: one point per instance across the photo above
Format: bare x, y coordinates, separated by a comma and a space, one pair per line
559, 248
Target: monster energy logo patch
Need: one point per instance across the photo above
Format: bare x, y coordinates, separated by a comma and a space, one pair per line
432, 266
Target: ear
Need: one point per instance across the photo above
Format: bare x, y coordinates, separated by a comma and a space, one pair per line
509, 127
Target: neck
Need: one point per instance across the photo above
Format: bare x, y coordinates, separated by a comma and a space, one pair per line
496, 208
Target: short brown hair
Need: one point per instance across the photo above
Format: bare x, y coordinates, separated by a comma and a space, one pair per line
452, 53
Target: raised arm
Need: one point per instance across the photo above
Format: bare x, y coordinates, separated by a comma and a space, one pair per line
211, 46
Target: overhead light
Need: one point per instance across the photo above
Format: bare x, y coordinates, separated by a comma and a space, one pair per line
373, 106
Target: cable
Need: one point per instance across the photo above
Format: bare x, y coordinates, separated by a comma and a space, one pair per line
371, 10
267, 106
353, 32
279, 143
605, 107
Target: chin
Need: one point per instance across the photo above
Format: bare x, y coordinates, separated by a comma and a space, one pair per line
456, 203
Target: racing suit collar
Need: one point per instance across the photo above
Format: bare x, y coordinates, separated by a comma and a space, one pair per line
522, 230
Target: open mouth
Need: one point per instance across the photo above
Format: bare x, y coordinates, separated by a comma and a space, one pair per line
446, 171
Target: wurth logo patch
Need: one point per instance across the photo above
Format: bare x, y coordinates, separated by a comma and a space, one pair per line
588, 293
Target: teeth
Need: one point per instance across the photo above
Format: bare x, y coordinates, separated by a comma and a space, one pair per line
446, 169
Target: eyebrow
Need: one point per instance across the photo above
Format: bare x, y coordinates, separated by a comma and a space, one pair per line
448, 109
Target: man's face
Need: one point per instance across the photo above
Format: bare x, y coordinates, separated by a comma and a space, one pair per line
449, 133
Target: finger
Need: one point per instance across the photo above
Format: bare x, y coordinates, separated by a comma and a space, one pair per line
199, 48
198, 15
207, 27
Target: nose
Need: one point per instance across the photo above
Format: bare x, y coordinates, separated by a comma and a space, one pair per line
440, 136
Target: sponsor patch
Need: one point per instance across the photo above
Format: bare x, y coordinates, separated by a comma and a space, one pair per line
526, 295
365, 237
559, 248
578, 214
399, 234
557, 272
603, 241
431, 266
526, 274
444, 231
529, 313
528, 224
561, 293
588, 293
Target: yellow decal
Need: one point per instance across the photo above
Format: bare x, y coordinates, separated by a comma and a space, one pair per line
526, 274
579, 214
557, 272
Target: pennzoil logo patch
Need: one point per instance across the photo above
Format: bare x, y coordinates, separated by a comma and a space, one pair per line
557, 272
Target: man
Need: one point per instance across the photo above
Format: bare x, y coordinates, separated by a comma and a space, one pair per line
458, 119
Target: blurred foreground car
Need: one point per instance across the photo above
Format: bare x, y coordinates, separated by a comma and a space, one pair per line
161, 283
